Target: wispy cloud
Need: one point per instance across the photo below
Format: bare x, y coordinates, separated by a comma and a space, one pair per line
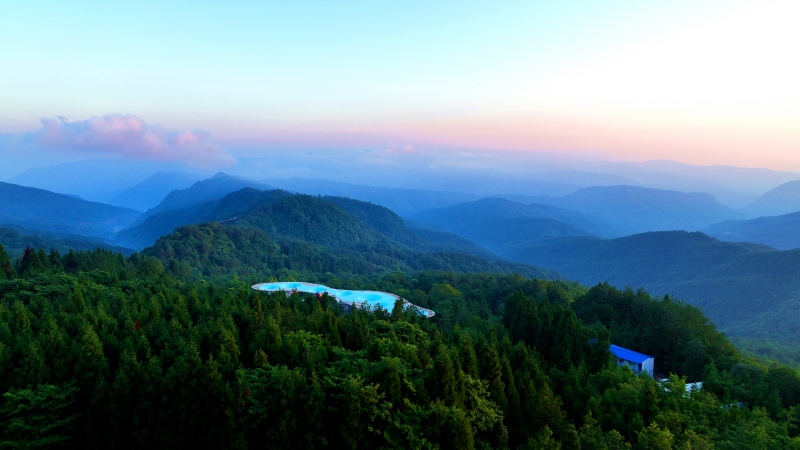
396, 149
129, 136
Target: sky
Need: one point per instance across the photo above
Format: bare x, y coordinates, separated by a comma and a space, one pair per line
209, 83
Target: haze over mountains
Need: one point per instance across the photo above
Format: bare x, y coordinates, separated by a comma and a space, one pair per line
16, 240
727, 280
38, 209
476, 173
500, 224
150, 192
209, 189
400, 200
557, 223
783, 199
780, 232
99, 180
632, 209
746, 289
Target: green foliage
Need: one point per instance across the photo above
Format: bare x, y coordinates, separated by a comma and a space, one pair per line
214, 249
38, 417
748, 290
772, 351
6, 269
678, 335
17, 239
98, 351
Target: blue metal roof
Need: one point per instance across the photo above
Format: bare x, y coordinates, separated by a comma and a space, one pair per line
628, 355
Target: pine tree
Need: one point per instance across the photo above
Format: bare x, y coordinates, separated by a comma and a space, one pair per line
6, 269
30, 263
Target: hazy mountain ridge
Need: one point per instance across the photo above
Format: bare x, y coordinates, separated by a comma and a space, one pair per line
501, 225
535, 174
633, 209
751, 179
98, 180
392, 225
231, 206
466, 214
322, 232
651, 177
326, 221
747, 289
39, 209
781, 232
150, 192
784, 199
16, 239
400, 200
210, 189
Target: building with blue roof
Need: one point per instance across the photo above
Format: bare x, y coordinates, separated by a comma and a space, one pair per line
638, 362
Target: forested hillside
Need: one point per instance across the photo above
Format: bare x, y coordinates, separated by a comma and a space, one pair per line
17, 239
149, 229
98, 351
39, 209
151, 191
332, 222
748, 290
211, 189
217, 249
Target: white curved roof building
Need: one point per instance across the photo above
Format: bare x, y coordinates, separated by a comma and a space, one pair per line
360, 299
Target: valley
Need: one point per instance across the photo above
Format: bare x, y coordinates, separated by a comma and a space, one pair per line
562, 277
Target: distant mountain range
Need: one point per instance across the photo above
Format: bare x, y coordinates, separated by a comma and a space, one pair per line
781, 232
726, 279
297, 216
329, 234
784, 199
748, 289
402, 201
213, 188
150, 192
632, 209
525, 173
597, 211
734, 187
532, 174
38, 209
99, 180
501, 225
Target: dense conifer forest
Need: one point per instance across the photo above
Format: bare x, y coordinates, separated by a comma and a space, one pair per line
100, 350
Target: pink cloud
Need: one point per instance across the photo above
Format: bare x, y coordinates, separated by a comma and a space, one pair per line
395, 149
131, 137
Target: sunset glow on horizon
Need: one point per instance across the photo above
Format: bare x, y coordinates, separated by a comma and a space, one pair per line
709, 82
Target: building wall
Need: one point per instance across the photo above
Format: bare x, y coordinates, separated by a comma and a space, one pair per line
647, 366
